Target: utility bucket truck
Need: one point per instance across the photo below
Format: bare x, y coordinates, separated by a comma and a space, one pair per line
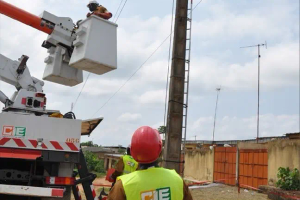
40, 148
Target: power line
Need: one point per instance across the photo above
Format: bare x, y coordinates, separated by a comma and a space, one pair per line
120, 11
90, 73
117, 10
81, 91
131, 76
139, 67
167, 84
197, 5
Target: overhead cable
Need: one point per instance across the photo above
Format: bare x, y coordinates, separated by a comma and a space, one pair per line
87, 78
138, 69
117, 10
169, 57
120, 11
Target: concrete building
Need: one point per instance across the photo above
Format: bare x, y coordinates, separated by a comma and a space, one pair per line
110, 160
110, 154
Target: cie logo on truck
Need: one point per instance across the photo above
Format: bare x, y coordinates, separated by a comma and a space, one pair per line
13, 131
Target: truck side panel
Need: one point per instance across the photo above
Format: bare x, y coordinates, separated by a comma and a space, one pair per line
36, 132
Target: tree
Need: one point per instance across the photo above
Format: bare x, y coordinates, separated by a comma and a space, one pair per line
93, 163
89, 144
288, 179
121, 151
162, 129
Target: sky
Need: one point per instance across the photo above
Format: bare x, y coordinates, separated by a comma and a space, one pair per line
219, 29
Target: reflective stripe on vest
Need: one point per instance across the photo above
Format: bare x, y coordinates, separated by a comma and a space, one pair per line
153, 183
130, 164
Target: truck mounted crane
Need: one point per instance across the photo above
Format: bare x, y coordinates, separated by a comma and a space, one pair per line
40, 148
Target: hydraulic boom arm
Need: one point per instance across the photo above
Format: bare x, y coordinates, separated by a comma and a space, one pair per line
17, 74
90, 46
24, 17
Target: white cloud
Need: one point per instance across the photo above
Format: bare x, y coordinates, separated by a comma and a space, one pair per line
129, 117
54, 105
263, 22
232, 128
218, 29
155, 96
158, 124
279, 68
154, 72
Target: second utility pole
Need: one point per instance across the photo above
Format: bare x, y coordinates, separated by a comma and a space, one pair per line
258, 83
172, 148
218, 91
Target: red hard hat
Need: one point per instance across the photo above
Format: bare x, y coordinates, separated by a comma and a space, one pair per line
146, 145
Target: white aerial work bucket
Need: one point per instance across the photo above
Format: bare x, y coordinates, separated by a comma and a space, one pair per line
95, 48
58, 70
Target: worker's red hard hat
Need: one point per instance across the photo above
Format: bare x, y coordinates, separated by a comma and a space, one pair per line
146, 145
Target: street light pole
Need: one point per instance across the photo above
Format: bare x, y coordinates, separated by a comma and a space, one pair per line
258, 92
258, 84
218, 91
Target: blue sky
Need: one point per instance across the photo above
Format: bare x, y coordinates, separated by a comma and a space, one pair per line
219, 28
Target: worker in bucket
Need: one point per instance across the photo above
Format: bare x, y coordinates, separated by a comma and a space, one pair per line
125, 165
98, 10
150, 181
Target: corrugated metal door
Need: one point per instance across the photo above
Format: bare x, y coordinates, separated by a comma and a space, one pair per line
253, 167
225, 165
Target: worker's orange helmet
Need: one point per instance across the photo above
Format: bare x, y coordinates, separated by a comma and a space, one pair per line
146, 145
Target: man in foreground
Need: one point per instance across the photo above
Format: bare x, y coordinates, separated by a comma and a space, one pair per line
150, 181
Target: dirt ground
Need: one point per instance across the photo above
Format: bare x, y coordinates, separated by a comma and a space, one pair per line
225, 192
97, 181
210, 192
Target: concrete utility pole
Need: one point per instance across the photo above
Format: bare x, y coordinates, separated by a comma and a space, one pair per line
172, 149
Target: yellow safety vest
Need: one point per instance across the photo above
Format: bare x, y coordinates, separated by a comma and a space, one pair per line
130, 164
153, 184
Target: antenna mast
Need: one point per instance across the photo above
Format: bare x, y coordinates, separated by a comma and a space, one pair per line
258, 82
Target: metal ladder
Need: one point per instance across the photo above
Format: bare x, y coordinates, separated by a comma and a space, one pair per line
187, 73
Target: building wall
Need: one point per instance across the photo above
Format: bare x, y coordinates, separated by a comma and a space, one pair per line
247, 145
282, 153
100, 155
199, 164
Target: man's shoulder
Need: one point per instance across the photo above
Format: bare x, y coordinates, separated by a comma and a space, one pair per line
129, 176
169, 172
101, 8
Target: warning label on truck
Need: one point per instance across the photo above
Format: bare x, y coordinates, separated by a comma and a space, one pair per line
13, 131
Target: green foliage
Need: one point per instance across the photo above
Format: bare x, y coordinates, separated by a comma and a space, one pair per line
287, 179
89, 144
162, 129
121, 151
94, 164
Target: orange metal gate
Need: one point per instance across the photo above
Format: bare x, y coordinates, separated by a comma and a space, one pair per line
253, 167
225, 165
